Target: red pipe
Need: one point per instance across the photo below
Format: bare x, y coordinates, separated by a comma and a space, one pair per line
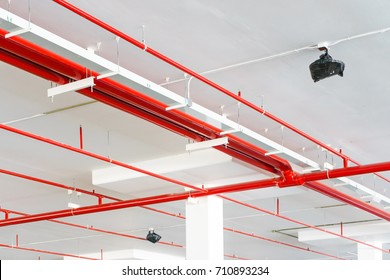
282, 243
91, 228
345, 161
81, 137
345, 172
109, 232
246, 185
379, 175
29, 67
93, 193
167, 243
181, 196
96, 156
236, 257
164, 212
302, 223
51, 183
114, 233
133, 203
45, 252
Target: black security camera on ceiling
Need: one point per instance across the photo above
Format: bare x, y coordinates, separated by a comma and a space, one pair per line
326, 67
152, 236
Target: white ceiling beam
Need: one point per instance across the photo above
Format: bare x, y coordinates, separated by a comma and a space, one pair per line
207, 144
163, 165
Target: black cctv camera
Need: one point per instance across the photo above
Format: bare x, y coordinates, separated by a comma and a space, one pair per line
326, 67
152, 236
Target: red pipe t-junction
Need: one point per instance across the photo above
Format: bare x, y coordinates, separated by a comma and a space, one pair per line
45, 252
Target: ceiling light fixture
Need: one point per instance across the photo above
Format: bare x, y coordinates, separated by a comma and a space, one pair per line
152, 236
326, 67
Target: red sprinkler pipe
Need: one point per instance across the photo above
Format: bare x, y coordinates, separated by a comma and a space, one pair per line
344, 172
81, 138
301, 223
379, 175
93, 193
114, 233
6, 213
246, 185
175, 197
282, 243
29, 67
51, 183
91, 228
99, 157
45, 252
86, 227
236, 257
58, 185
133, 203
167, 243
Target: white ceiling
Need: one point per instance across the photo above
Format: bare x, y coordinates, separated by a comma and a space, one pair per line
348, 113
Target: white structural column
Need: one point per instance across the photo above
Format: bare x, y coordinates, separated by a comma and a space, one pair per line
204, 228
368, 253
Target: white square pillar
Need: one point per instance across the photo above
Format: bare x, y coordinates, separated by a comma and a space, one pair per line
204, 228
